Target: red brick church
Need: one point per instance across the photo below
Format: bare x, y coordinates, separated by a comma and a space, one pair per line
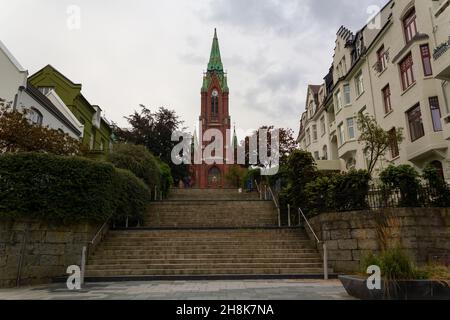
214, 115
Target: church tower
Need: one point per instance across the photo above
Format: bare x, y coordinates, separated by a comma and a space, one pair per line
214, 115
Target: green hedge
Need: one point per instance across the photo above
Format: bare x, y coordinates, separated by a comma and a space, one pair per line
67, 189
139, 161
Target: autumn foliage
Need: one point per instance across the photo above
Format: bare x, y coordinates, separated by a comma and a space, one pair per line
18, 134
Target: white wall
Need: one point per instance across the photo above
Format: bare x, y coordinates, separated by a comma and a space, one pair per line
25, 101
12, 75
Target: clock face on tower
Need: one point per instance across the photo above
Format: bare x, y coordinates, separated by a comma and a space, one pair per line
215, 93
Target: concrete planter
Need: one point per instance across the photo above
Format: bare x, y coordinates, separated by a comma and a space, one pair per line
402, 290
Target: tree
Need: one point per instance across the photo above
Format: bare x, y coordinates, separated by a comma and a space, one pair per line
154, 131
287, 144
375, 139
301, 170
18, 134
236, 176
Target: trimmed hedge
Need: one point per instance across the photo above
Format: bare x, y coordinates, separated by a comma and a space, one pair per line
67, 190
139, 161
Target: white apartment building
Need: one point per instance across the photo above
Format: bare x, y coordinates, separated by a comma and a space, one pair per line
397, 69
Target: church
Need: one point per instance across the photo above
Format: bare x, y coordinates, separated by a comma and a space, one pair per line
214, 115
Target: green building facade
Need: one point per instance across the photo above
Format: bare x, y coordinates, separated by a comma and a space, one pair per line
97, 132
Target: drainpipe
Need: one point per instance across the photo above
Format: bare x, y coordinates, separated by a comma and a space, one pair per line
444, 93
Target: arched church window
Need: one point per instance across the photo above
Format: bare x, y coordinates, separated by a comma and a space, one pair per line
215, 102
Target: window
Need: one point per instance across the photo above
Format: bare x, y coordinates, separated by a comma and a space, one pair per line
351, 128
338, 97
322, 126
426, 60
215, 103
316, 155
382, 61
409, 25
314, 128
435, 113
341, 134
415, 123
308, 137
347, 98
35, 116
359, 84
45, 90
393, 146
325, 153
387, 99
406, 70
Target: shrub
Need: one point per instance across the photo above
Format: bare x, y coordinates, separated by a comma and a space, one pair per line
166, 177
131, 197
139, 161
338, 192
350, 190
66, 190
404, 178
395, 264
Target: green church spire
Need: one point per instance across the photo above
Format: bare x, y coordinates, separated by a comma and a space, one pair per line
215, 67
215, 61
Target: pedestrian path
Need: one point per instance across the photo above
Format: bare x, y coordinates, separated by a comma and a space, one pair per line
187, 290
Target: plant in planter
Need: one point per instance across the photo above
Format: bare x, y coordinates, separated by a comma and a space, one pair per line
400, 278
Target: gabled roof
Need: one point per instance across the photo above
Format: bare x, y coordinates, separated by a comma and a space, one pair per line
49, 66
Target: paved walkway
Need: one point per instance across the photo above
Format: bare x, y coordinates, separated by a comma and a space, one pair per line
187, 290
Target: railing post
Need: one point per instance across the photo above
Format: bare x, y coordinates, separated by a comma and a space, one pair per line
156, 193
279, 217
289, 215
126, 224
325, 261
83, 264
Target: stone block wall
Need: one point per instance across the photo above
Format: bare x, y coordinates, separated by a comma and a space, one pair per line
422, 232
32, 252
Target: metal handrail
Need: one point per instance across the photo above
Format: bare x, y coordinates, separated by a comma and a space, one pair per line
324, 245
276, 205
259, 189
90, 246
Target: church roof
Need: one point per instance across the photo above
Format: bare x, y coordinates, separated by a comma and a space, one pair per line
215, 60
215, 67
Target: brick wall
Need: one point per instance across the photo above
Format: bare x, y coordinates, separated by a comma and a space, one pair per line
42, 250
422, 232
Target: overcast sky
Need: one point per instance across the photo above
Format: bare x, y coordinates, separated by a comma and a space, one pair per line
150, 52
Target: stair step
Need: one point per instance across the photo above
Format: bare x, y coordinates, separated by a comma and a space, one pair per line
203, 272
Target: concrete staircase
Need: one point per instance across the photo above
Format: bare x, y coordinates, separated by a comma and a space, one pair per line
203, 234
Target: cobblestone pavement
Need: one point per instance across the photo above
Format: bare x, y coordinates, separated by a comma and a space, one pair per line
187, 290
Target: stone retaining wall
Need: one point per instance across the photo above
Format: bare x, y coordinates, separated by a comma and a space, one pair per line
33, 252
423, 232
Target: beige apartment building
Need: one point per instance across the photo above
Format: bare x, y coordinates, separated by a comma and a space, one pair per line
397, 69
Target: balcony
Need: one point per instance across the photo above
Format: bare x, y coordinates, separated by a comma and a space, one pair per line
446, 127
441, 58
432, 144
329, 165
333, 127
